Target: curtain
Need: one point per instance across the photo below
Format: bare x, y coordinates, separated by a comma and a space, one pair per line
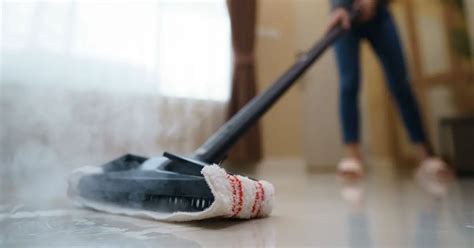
243, 15
86, 81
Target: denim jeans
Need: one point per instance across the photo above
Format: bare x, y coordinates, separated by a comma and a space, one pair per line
382, 35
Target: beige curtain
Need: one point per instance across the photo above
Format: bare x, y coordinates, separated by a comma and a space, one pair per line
243, 15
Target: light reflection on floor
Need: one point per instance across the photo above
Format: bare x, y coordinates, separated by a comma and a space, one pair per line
388, 209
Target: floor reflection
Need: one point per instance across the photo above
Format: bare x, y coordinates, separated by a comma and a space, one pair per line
436, 208
389, 208
427, 225
357, 220
80, 228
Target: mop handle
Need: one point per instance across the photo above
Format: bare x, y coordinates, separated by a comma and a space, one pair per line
216, 146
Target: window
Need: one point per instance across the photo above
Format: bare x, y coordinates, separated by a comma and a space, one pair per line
172, 48
195, 49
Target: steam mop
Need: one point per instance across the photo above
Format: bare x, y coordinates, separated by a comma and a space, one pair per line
178, 188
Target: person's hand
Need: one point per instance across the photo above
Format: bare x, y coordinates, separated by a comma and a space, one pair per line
367, 9
339, 16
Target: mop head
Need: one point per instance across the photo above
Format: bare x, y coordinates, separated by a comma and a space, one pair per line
234, 197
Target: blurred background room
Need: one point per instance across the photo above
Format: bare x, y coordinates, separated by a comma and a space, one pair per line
83, 82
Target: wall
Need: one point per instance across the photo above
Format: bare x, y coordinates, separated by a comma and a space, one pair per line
305, 122
322, 139
281, 126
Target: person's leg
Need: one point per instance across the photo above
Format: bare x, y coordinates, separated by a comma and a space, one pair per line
347, 58
383, 37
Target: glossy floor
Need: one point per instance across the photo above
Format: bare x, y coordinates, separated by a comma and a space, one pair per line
388, 209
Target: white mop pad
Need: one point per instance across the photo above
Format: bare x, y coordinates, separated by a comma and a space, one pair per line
234, 197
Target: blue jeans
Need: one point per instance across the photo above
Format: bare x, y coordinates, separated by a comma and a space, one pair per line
383, 37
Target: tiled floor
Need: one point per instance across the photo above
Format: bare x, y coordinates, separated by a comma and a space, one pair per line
388, 209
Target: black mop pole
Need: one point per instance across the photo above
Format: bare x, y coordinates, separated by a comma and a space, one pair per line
216, 146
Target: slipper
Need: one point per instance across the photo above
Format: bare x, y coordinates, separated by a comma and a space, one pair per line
350, 168
433, 175
434, 167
